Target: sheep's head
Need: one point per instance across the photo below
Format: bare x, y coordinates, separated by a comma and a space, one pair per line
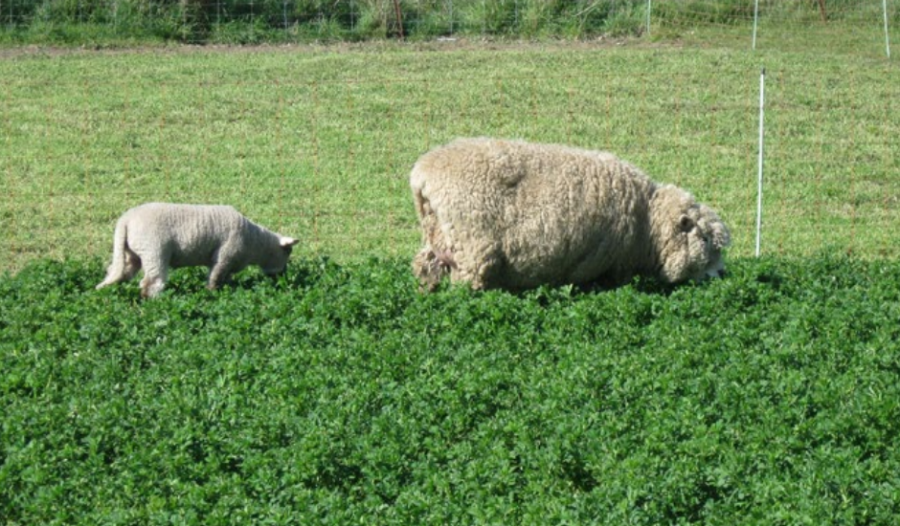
277, 254
689, 237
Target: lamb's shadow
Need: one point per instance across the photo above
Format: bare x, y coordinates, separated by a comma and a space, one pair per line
192, 281
310, 272
294, 277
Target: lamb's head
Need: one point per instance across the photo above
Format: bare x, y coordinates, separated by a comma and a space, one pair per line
688, 236
277, 254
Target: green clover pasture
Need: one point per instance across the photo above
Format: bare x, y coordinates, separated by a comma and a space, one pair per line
339, 395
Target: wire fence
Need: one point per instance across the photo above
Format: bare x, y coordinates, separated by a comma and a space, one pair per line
249, 21
318, 142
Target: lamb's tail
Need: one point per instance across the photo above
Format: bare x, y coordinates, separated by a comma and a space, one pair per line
435, 260
116, 270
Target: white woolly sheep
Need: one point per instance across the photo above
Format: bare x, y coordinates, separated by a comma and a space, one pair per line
511, 214
157, 236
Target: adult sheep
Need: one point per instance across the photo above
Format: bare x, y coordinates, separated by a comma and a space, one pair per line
511, 214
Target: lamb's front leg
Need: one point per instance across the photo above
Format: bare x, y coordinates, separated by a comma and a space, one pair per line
225, 261
218, 274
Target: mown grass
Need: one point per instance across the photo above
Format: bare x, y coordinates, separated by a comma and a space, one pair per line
317, 141
340, 395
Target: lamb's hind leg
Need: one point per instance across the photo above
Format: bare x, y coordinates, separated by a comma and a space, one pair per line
132, 265
155, 275
118, 274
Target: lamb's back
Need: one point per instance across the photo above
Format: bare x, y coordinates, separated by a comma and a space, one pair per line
190, 233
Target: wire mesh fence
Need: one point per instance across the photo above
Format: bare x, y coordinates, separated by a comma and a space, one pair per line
317, 142
246, 21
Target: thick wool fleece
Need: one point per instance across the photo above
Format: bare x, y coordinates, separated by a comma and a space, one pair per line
159, 236
511, 214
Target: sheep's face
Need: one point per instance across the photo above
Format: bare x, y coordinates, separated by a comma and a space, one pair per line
692, 242
277, 256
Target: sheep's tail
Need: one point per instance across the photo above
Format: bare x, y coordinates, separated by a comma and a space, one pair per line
435, 260
116, 270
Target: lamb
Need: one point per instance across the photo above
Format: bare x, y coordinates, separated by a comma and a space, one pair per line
515, 215
157, 236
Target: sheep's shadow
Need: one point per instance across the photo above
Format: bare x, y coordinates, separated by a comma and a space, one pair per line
546, 293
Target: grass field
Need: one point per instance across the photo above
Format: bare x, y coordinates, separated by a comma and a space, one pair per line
318, 141
339, 395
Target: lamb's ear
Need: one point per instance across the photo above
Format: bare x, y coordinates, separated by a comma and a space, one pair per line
286, 242
685, 223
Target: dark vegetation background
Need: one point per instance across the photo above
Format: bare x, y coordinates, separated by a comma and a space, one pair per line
256, 21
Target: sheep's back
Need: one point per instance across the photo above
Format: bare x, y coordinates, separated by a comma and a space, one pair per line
550, 206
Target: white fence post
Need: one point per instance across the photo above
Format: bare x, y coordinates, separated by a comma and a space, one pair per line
759, 188
755, 20
887, 38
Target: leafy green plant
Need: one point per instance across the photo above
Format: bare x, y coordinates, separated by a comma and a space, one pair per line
338, 394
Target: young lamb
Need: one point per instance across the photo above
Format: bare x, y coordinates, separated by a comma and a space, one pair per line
157, 236
512, 214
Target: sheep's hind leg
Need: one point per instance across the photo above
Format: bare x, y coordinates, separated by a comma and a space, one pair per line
430, 267
479, 268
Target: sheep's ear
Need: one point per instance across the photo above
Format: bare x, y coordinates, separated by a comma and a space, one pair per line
721, 238
685, 223
286, 242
